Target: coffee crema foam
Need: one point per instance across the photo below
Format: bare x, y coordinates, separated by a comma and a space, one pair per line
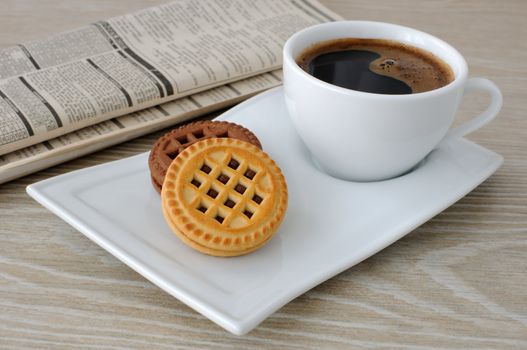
419, 69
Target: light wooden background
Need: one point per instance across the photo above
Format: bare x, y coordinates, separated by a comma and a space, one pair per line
457, 282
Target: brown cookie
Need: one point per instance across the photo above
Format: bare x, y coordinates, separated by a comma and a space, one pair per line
173, 143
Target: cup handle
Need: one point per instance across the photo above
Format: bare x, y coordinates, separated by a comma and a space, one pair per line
496, 101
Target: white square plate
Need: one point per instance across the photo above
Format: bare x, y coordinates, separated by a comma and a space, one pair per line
330, 224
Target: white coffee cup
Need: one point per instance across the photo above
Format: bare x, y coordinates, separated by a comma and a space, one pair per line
364, 136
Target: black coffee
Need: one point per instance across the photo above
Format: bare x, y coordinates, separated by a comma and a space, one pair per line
376, 66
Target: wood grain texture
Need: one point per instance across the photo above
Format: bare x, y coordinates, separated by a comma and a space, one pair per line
457, 282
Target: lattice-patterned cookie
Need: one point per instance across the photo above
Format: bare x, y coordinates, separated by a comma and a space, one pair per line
171, 144
224, 197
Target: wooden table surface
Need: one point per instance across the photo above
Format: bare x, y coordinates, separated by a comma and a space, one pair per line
457, 282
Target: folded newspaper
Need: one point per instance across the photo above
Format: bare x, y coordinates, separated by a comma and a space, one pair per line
80, 91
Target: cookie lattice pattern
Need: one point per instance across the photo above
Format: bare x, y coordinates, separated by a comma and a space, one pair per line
228, 189
176, 145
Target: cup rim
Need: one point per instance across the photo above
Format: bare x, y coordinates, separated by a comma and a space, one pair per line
458, 78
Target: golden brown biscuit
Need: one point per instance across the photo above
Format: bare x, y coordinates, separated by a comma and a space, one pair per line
224, 197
